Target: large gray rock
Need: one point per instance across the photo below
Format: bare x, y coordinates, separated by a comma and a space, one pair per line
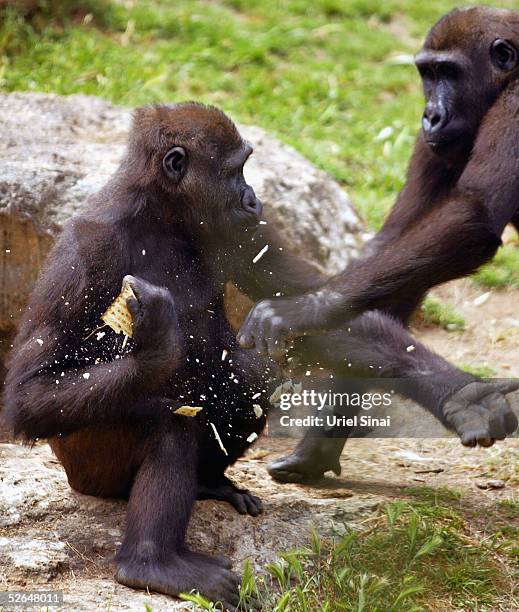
55, 151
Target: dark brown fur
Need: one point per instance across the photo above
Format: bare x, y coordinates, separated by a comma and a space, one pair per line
462, 189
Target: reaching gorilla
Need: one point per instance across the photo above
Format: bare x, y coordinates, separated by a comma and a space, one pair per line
462, 190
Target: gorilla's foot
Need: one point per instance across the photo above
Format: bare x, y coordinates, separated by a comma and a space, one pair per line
181, 574
309, 461
224, 489
480, 413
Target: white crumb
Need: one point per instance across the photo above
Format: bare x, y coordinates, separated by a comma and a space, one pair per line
252, 437
218, 439
258, 410
260, 254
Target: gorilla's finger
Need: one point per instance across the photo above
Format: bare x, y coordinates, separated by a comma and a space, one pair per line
260, 341
129, 279
469, 439
510, 421
239, 503
506, 386
252, 508
486, 442
134, 307
498, 405
258, 502
245, 335
245, 338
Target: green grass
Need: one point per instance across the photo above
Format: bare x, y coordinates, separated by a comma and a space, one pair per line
435, 312
417, 555
441, 496
481, 370
509, 508
335, 79
503, 271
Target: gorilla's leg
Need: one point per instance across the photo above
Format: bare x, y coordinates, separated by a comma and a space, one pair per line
377, 346
320, 449
153, 554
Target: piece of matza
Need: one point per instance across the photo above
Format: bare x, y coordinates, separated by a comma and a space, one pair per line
117, 316
189, 411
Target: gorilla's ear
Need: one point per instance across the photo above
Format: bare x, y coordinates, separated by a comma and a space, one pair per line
174, 163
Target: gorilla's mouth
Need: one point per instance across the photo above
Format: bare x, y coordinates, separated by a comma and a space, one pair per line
246, 220
453, 137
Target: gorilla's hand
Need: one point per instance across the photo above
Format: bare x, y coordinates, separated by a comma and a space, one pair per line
480, 413
271, 324
155, 326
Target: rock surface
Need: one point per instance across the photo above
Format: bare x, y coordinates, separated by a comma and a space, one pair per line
56, 150
54, 538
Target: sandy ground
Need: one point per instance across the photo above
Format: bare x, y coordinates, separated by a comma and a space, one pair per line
492, 334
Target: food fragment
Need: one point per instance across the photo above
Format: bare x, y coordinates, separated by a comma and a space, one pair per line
286, 387
189, 411
117, 316
258, 411
218, 439
252, 437
260, 254
410, 348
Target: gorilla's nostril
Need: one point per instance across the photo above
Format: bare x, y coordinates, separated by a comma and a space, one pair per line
435, 119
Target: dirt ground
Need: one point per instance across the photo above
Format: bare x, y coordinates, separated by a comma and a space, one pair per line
492, 334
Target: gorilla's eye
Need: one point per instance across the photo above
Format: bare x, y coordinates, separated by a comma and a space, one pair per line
174, 163
503, 54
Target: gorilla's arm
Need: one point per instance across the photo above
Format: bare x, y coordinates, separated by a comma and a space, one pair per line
277, 272
55, 384
450, 240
